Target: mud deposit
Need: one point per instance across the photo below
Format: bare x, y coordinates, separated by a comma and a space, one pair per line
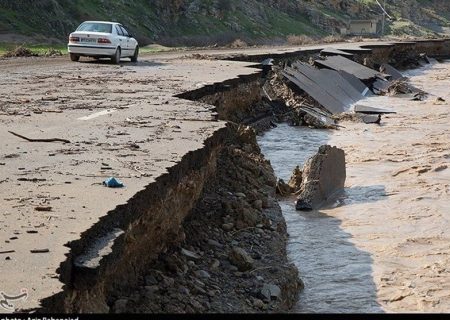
384, 245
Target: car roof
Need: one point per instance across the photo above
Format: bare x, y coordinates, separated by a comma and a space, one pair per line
101, 22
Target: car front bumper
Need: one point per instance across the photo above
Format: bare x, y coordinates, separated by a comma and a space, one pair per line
91, 50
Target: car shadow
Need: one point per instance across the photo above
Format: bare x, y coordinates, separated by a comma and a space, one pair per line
123, 62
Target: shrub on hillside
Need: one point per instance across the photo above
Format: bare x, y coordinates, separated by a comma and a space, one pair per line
238, 43
332, 39
297, 40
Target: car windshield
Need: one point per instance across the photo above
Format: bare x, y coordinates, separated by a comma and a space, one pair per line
95, 27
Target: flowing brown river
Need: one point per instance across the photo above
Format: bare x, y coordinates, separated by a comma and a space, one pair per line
385, 244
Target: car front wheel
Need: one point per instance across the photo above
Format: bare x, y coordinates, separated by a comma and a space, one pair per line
74, 57
116, 57
134, 58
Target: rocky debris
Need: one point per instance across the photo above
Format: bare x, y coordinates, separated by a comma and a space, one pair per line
270, 292
283, 189
120, 306
295, 181
323, 175
228, 226
220, 265
190, 254
241, 259
439, 101
202, 274
399, 86
371, 118
299, 109
257, 303
293, 186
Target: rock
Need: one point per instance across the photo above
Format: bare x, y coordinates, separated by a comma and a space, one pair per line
250, 217
240, 195
214, 243
215, 264
172, 309
150, 280
228, 226
168, 282
120, 306
323, 176
233, 268
191, 263
227, 208
241, 259
200, 283
196, 305
189, 254
295, 182
184, 290
302, 205
271, 292
257, 303
151, 289
258, 204
265, 203
198, 290
282, 188
247, 135
202, 274
172, 264
259, 278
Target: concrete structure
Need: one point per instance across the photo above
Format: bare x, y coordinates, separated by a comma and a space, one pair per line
364, 27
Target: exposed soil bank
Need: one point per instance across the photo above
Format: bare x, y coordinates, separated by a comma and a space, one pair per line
153, 216
236, 241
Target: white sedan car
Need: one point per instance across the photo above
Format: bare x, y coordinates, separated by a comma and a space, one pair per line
102, 39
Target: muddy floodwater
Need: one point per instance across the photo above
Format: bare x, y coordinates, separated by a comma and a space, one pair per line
384, 246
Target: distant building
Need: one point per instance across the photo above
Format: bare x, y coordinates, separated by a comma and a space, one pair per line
363, 27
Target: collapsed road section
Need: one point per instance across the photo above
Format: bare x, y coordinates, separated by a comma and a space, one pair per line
79, 246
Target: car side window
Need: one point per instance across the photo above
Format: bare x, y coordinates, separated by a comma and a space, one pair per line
119, 30
125, 32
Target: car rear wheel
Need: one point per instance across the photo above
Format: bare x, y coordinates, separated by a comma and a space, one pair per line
74, 57
116, 57
134, 58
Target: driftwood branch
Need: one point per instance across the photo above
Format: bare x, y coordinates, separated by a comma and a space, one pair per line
39, 140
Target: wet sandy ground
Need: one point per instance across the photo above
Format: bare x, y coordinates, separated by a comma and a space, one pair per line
397, 202
122, 121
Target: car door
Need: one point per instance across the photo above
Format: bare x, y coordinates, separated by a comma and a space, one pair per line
122, 40
130, 46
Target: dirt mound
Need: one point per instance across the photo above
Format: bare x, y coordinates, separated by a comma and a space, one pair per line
19, 51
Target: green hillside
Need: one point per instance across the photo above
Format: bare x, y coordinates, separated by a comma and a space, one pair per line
203, 22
